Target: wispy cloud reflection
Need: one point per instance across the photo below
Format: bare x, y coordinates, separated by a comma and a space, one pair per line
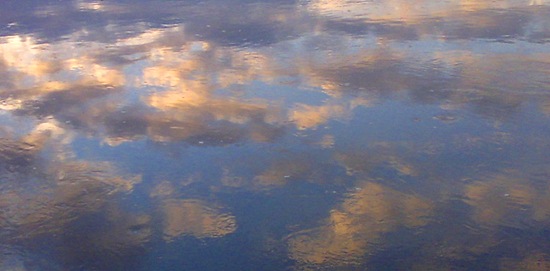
334, 131
190, 70
507, 199
450, 19
196, 218
358, 225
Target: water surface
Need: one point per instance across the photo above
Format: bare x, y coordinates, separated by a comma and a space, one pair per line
275, 135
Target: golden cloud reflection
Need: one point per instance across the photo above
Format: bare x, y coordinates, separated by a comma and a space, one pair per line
69, 191
90, 5
188, 74
407, 11
196, 218
42, 68
188, 103
190, 217
48, 194
358, 224
388, 155
307, 117
508, 199
207, 83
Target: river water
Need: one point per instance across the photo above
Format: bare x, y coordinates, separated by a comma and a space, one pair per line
274, 135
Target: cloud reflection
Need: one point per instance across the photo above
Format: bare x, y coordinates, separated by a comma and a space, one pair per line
507, 199
189, 74
358, 224
269, 74
196, 218
448, 20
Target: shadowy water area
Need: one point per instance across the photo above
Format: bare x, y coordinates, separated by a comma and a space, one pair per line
274, 135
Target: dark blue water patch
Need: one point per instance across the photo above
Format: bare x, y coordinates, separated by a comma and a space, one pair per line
18, 258
281, 211
531, 123
216, 254
402, 122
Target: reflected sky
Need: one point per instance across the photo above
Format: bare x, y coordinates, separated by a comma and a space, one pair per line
274, 135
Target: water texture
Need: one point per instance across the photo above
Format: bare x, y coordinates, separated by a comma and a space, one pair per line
274, 135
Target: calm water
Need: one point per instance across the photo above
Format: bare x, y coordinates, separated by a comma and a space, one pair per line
274, 135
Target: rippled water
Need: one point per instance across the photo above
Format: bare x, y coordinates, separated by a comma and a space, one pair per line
275, 135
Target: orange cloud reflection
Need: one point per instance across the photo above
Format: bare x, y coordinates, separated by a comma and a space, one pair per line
358, 224
196, 218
